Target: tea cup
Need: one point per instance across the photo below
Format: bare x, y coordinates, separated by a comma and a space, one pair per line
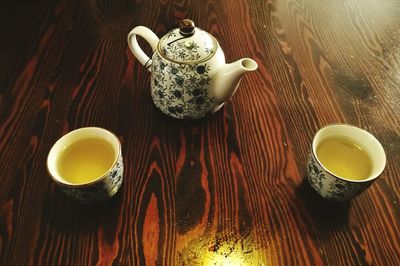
71, 156
338, 187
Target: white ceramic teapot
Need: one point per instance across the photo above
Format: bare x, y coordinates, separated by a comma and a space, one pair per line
189, 77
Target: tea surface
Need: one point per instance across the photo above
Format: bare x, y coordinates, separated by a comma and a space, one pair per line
85, 160
344, 158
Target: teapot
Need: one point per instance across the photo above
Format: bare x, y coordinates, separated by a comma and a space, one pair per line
189, 76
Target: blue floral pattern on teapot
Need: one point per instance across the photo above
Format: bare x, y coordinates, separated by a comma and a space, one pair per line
189, 76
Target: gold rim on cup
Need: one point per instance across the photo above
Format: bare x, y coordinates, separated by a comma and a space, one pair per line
346, 127
63, 141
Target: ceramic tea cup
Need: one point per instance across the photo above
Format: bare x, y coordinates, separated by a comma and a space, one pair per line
344, 161
87, 164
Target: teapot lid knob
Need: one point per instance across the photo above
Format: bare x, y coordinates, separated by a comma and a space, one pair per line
186, 27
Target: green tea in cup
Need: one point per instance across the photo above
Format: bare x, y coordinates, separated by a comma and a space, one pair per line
344, 161
344, 157
87, 164
85, 160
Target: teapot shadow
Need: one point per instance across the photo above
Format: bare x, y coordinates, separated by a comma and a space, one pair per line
161, 118
325, 214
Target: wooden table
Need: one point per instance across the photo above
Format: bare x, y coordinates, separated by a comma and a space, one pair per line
226, 190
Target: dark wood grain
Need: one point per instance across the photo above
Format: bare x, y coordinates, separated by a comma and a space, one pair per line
226, 190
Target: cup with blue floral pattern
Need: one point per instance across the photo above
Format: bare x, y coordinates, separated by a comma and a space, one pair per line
337, 158
87, 164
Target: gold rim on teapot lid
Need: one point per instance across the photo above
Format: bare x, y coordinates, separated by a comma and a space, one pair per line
187, 44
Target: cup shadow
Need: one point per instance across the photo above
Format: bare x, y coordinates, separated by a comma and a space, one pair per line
67, 216
325, 214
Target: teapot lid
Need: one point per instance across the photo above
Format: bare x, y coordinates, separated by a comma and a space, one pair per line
187, 44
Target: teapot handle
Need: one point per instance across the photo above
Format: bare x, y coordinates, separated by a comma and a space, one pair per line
149, 36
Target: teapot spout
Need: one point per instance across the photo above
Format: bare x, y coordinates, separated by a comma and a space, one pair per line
228, 78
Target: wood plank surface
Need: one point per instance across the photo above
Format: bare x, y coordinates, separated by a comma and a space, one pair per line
226, 190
